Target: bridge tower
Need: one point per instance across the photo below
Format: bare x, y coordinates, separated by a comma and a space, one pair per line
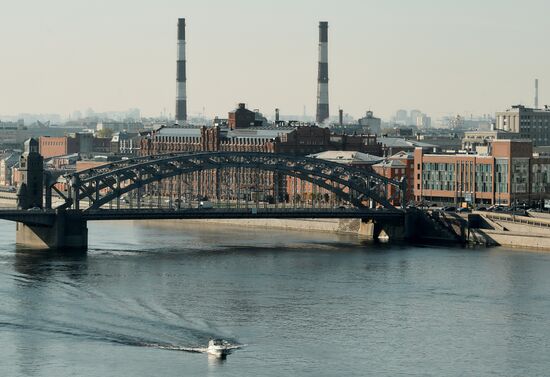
31, 168
63, 232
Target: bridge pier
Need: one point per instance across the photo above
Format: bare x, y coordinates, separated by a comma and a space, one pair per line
65, 233
376, 230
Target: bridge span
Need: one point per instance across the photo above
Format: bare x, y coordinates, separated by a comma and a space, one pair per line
237, 185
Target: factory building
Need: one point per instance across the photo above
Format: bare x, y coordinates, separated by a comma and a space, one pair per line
528, 123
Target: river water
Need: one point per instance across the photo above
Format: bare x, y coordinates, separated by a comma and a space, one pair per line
302, 304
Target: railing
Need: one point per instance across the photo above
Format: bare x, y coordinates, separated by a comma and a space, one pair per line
542, 223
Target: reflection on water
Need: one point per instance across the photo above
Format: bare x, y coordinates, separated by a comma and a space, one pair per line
43, 264
304, 303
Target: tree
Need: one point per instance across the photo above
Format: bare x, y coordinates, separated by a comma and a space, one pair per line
105, 132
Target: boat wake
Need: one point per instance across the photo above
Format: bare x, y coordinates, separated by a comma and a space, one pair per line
228, 346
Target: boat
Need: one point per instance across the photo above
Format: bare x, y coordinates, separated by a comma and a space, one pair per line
219, 348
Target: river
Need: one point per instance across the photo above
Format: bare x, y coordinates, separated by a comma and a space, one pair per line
302, 304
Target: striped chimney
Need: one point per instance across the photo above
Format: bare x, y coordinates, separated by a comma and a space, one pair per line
536, 93
181, 92
322, 80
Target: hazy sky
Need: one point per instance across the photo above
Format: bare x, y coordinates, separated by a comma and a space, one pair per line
440, 56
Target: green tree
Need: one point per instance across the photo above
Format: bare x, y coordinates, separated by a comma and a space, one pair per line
105, 132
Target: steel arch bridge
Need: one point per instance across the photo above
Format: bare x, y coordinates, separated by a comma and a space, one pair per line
104, 184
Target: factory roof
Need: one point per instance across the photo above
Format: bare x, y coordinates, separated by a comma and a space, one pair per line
402, 155
397, 142
246, 133
348, 157
11, 160
183, 131
264, 132
391, 164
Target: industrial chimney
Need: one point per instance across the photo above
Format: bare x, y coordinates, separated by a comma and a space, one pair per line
181, 92
536, 93
322, 80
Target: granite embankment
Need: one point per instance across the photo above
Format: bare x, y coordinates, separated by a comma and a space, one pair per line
501, 229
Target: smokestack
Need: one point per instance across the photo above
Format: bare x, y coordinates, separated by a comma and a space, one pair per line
341, 117
181, 92
536, 93
322, 80
276, 115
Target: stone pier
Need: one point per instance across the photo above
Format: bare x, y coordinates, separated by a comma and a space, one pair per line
65, 233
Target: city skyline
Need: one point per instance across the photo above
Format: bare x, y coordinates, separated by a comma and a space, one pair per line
440, 57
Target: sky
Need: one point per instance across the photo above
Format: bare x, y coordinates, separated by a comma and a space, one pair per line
440, 56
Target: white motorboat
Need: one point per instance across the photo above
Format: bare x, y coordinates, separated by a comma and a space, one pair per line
219, 348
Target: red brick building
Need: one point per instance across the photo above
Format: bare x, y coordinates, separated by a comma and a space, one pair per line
241, 117
302, 140
83, 143
507, 175
397, 167
57, 146
288, 140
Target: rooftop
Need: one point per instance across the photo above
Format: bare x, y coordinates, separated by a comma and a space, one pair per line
391, 164
347, 157
402, 155
258, 132
396, 142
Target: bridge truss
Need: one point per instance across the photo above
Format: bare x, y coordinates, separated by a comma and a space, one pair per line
233, 177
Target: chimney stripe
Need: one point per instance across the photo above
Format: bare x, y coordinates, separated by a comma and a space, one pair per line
322, 78
181, 76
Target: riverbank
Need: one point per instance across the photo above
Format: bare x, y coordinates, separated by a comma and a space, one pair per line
500, 229
337, 226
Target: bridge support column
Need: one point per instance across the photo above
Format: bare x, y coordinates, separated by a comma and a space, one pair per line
377, 230
65, 233
366, 229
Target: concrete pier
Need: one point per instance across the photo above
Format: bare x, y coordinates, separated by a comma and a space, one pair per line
65, 233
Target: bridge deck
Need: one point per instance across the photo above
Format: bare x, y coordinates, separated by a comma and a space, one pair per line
47, 217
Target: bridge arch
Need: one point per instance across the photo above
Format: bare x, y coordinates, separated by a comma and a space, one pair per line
124, 176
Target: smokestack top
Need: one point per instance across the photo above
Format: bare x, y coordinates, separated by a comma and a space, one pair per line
181, 29
323, 31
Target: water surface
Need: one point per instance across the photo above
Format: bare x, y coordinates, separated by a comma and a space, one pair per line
305, 304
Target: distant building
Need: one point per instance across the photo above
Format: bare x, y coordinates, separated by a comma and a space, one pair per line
401, 117
80, 142
62, 163
371, 123
302, 140
6, 167
456, 123
120, 126
443, 142
399, 166
307, 191
413, 116
125, 143
529, 123
242, 118
57, 146
393, 145
423, 121
474, 139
